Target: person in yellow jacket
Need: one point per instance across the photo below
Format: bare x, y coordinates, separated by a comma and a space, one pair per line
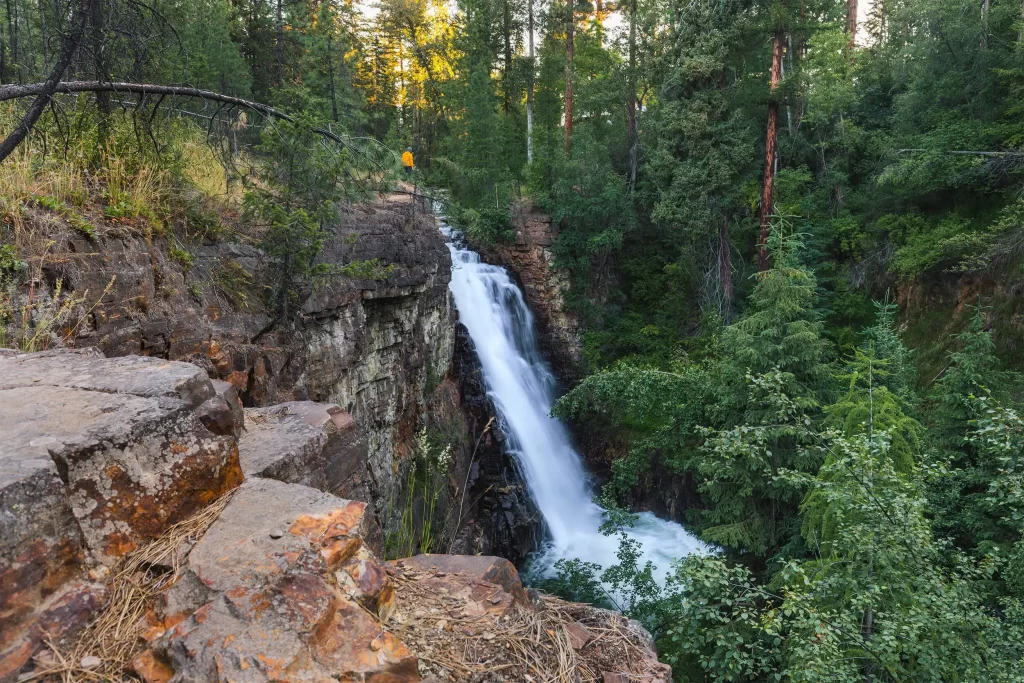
407, 161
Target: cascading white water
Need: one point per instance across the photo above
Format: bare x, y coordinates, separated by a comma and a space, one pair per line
520, 384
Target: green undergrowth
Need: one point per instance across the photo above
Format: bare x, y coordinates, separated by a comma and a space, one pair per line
420, 514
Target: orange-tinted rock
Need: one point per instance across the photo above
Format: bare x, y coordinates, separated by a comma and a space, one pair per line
123, 436
495, 570
57, 621
99, 456
366, 581
579, 635
151, 668
265, 600
355, 645
41, 545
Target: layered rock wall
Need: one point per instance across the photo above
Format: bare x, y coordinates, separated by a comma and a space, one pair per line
381, 348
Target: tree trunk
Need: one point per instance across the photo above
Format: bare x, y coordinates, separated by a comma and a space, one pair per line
279, 42
43, 91
12, 39
44, 36
985, 4
506, 81
767, 190
10, 92
330, 74
725, 267
529, 83
725, 247
631, 102
851, 23
101, 73
569, 55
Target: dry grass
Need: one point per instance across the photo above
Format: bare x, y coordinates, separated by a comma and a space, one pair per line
202, 167
521, 645
114, 635
23, 179
127, 183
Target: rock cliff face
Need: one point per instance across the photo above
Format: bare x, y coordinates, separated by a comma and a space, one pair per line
380, 349
142, 535
530, 258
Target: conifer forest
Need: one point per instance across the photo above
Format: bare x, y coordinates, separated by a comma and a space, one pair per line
791, 232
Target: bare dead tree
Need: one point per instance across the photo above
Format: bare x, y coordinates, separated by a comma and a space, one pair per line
43, 91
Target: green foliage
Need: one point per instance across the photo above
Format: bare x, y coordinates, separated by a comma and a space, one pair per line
488, 225
293, 207
782, 329
718, 623
655, 411
577, 581
415, 524
748, 471
10, 264
235, 283
183, 256
591, 201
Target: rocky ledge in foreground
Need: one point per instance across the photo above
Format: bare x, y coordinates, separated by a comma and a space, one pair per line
143, 539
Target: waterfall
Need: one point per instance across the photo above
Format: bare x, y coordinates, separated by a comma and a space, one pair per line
522, 388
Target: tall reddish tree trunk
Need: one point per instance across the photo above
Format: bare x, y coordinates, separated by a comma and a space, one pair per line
569, 54
768, 189
851, 22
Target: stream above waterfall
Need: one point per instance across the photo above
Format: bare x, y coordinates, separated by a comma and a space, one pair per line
522, 388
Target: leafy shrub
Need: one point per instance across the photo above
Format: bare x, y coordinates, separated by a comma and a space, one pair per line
10, 264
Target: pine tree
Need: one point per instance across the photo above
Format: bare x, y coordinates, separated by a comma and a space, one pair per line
782, 329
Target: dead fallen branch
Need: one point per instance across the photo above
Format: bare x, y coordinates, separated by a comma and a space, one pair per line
11, 92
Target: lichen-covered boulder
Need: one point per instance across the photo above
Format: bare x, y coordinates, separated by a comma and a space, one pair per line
122, 436
97, 456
